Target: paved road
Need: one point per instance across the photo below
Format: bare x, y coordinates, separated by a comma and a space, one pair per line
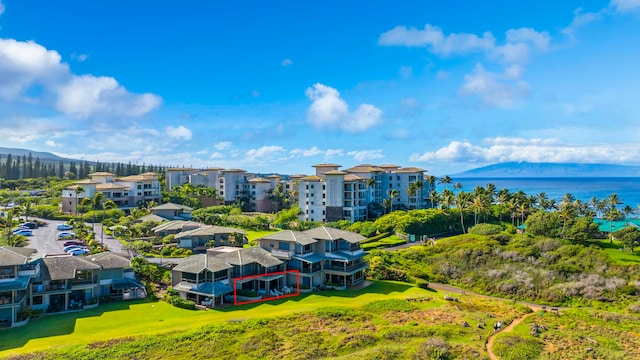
44, 239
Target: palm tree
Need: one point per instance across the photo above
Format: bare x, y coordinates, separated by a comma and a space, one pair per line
447, 198
84, 203
462, 201
392, 195
95, 203
613, 214
78, 190
387, 203
431, 180
419, 185
445, 180
478, 205
106, 205
433, 196
628, 210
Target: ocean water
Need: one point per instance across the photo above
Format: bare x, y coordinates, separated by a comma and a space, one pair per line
583, 188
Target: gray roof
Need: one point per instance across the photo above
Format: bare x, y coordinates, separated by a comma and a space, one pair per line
64, 267
327, 233
291, 236
177, 225
10, 255
197, 263
209, 231
151, 217
107, 260
250, 255
171, 206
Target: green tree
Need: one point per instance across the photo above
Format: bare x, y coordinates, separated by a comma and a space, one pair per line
462, 201
629, 236
392, 195
445, 180
78, 190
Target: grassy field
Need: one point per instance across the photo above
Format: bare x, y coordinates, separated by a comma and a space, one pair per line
616, 252
383, 320
254, 234
146, 317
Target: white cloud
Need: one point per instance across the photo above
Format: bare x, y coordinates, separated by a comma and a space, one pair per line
286, 62
365, 155
87, 95
532, 150
306, 152
25, 65
216, 155
496, 90
581, 19
52, 143
329, 110
265, 152
624, 5
180, 132
223, 145
330, 153
439, 43
79, 57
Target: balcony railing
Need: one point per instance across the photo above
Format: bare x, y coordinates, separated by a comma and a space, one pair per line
346, 268
282, 253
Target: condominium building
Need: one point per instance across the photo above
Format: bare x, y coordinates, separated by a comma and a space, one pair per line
332, 194
127, 191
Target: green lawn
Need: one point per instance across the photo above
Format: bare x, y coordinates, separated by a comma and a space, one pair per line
146, 317
616, 252
254, 234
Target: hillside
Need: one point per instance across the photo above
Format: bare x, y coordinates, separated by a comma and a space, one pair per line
527, 169
44, 156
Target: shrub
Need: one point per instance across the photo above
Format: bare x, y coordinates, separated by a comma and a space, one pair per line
509, 346
485, 229
389, 305
177, 301
434, 348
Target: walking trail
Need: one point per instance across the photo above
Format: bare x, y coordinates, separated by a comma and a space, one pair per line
514, 323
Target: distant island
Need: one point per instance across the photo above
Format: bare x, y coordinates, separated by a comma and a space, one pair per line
531, 170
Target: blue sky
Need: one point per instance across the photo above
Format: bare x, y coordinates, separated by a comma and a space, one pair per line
279, 86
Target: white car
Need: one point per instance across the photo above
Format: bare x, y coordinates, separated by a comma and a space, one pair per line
78, 251
66, 235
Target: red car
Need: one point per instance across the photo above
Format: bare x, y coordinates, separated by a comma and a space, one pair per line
73, 242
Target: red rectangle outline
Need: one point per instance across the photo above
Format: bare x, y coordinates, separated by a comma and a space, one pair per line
235, 280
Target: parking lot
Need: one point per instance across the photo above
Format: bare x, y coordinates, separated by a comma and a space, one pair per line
44, 239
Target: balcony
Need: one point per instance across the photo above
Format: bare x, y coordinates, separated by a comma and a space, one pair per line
282, 253
346, 267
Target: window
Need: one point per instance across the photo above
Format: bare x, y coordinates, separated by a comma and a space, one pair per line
312, 211
139, 186
37, 300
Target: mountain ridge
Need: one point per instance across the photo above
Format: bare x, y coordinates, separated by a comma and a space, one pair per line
530, 170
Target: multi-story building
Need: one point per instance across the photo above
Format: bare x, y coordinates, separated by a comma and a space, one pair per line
321, 255
126, 192
332, 194
57, 283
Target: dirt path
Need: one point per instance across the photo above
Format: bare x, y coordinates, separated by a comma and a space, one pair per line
513, 324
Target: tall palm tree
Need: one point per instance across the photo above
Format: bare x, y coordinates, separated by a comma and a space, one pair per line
628, 210
462, 201
392, 195
478, 205
96, 202
387, 203
433, 196
613, 214
445, 180
106, 205
447, 198
419, 185
78, 190
431, 180
457, 186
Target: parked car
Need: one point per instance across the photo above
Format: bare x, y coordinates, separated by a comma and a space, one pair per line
78, 251
23, 232
71, 247
63, 227
29, 225
66, 235
73, 242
